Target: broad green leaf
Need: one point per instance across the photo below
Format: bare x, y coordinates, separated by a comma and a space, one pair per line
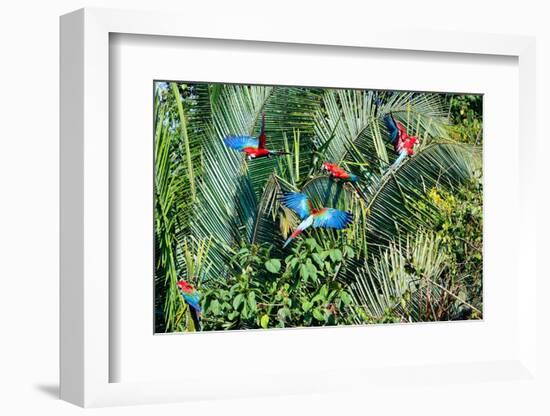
252, 301
306, 306
336, 255
273, 265
238, 301
304, 272
318, 314
346, 299
283, 313
215, 307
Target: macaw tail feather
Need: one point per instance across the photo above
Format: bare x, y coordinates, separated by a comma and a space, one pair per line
292, 237
400, 159
195, 316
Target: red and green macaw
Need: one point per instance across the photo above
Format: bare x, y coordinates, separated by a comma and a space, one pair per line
311, 217
254, 147
191, 297
403, 144
337, 172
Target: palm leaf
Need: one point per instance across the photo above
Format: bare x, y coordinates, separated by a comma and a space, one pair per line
392, 205
288, 110
410, 279
362, 137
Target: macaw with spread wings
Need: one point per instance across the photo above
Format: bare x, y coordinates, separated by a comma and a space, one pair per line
254, 147
403, 144
311, 217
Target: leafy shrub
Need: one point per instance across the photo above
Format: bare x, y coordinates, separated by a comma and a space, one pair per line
264, 292
460, 227
466, 115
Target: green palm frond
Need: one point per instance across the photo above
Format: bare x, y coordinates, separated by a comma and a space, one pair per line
265, 223
226, 204
230, 207
392, 207
361, 135
288, 110
168, 185
407, 278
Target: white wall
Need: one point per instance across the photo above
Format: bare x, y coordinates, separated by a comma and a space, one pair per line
29, 180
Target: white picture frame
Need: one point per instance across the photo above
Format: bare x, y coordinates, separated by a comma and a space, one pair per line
85, 212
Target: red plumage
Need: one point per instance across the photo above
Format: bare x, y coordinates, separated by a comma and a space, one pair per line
336, 170
256, 152
253, 147
404, 141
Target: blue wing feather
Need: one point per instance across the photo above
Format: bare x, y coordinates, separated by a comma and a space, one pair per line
392, 127
240, 142
192, 300
297, 202
333, 218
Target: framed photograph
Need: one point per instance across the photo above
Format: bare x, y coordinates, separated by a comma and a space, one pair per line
291, 209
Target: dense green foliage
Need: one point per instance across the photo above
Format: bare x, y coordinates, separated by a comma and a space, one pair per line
413, 252
465, 113
264, 292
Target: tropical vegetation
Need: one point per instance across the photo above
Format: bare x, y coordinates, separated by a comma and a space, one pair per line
413, 252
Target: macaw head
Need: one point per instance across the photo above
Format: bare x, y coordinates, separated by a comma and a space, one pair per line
326, 166
185, 286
